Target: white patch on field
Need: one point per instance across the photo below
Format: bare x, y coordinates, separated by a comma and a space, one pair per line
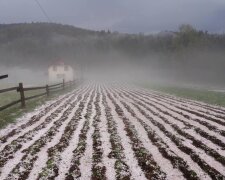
194, 166
41, 162
109, 163
188, 101
131, 161
26, 118
164, 164
191, 122
67, 154
86, 160
18, 155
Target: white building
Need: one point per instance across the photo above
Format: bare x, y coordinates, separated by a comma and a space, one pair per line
60, 71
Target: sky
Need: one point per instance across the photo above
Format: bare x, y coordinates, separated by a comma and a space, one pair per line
129, 16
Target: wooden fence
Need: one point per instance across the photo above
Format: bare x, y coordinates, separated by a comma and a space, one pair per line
4, 76
21, 89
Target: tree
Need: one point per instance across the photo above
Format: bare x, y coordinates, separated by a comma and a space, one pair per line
186, 28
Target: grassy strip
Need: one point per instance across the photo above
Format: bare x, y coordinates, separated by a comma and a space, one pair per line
11, 114
206, 96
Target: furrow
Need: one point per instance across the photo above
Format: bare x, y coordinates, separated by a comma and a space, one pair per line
187, 148
21, 131
117, 155
76, 150
51, 169
198, 127
36, 118
145, 160
165, 164
23, 169
135, 169
214, 108
149, 120
98, 168
31, 136
191, 112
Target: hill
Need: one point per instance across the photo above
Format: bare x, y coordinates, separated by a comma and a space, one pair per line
187, 53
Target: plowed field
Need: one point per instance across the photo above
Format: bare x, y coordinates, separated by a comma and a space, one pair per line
116, 132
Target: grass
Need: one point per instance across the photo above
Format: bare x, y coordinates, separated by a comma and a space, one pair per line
203, 95
10, 115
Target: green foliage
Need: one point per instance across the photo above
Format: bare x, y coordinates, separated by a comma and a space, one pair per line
210, 97
40, 43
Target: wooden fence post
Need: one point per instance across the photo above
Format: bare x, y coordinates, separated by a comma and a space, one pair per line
22, 96
47, 90
63, 84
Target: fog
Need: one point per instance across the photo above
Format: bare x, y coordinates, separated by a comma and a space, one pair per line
179, 48
198, 69
28, 76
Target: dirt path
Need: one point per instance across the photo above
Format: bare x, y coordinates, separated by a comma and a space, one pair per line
116, 132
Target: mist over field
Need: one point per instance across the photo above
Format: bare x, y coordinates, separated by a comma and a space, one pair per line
186, 56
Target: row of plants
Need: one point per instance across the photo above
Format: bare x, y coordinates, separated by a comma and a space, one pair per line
74, 170
176, 161
24, 167
189, 105
51, 170
211, 171
144, 158
211, 138
9, 150
117, 152
98, 168
32, 120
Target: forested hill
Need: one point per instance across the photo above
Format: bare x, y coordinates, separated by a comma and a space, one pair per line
40, 43
186, 51
43, 42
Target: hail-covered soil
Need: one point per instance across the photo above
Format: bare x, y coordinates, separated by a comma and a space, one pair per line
114, 132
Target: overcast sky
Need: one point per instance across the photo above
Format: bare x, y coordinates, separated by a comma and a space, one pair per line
132, 16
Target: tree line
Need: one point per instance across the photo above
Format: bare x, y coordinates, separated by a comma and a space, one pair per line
40, 44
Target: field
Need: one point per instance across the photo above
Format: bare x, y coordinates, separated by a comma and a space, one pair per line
200, 94
116, 132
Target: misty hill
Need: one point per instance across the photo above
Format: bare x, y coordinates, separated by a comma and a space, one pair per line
187, 53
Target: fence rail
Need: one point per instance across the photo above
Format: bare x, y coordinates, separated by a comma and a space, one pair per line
4, 76
20, 89
34, 88
8, 89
